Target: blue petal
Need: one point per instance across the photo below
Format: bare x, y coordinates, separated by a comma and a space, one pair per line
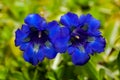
43, 25
61, 46
70, 20
82, 20
35, 20
91, 23
23, 46
20, 36
60, 40
50, 52
25, 28
30, 56
40, 54
71, 50
93, 27
89, 49
97, 45
53, 28
80, 58
88, 17
59, 36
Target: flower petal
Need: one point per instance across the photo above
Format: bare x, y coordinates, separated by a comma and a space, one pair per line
25, 28
70, 20
59, 36
20, 36
23, 46
35, 20
89, 49
50, 52
30, 56
61, 40
93, 26
71, 50
97, 45
80, 58
40, 54
53, 28
61, 46
82, 20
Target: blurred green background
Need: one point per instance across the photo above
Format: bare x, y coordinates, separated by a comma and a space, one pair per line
104, 66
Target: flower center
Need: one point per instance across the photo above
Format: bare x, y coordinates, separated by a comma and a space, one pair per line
77, 38
36, 37
79, 35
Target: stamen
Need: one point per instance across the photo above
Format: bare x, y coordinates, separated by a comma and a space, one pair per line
39, 35
77, 37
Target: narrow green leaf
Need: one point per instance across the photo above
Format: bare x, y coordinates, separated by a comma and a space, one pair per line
51, 76
91, 70
118, 61
101, 74
17, 76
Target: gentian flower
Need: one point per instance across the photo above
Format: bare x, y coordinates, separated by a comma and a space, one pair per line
33, 40
85, 37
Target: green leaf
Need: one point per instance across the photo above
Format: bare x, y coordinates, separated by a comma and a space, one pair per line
118, 62
17, 76
91, 70
25, 73
101, 74
50, 75
112, 30
3, 73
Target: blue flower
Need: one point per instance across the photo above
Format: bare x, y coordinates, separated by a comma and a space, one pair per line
85, 37
33, 40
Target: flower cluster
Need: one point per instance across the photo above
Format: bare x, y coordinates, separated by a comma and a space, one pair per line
79, 36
